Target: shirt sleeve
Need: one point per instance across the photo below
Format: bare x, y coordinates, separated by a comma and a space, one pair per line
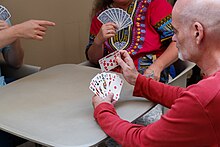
156, 91
181, 126
160, 13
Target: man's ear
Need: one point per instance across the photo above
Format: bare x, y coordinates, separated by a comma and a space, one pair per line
198, 32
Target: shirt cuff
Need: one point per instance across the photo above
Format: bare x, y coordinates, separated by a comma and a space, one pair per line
102, 107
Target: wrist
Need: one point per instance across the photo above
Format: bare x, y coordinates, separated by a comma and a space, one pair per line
16, 31
157, 65
134, 79
98, 41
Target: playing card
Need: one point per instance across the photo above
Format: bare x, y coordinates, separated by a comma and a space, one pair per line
4, 13
109, 13
109, 62
97, 85
115, 86
104, 18
105, 83
120, 17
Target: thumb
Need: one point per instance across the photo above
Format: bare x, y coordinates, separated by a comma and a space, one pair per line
110, 97
121, 63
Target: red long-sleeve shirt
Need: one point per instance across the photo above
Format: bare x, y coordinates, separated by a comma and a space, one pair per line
192, 120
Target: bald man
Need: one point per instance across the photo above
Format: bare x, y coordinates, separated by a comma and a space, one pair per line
193, 119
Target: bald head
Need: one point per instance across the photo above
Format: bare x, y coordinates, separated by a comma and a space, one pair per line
206, 12
197, 26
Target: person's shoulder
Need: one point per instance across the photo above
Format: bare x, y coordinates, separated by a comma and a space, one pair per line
207, 89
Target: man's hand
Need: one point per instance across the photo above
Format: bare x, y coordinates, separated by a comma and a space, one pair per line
128, 68
96, 100
32, 29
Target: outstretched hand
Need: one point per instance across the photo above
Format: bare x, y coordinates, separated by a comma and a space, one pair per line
128, 68
33, 29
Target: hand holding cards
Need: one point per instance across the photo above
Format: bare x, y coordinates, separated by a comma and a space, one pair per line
120, 17
4, 13
105, 83
109, 62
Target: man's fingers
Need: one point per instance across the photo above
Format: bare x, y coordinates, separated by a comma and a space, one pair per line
127, 58
121, 63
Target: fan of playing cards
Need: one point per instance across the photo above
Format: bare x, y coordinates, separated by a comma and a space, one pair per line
105, 83
4, 13
120, 17
108, 62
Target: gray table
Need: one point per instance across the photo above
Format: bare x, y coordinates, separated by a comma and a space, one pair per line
53, 107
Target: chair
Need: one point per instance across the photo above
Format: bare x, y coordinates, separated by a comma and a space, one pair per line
183, 68
17, 73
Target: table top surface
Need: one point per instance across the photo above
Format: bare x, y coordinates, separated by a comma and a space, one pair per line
53, 107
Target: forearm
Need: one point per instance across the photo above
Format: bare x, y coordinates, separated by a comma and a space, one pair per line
95, 51
156, 91
169, 56
8, 36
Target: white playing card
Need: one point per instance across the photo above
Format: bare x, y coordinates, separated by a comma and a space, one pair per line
109, 62
115, 86
105, 83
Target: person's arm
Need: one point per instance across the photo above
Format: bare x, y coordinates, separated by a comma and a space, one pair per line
179, 126
156, 91
32, 29
146, 87
160, 15
98, 35
96, 50
169, 56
